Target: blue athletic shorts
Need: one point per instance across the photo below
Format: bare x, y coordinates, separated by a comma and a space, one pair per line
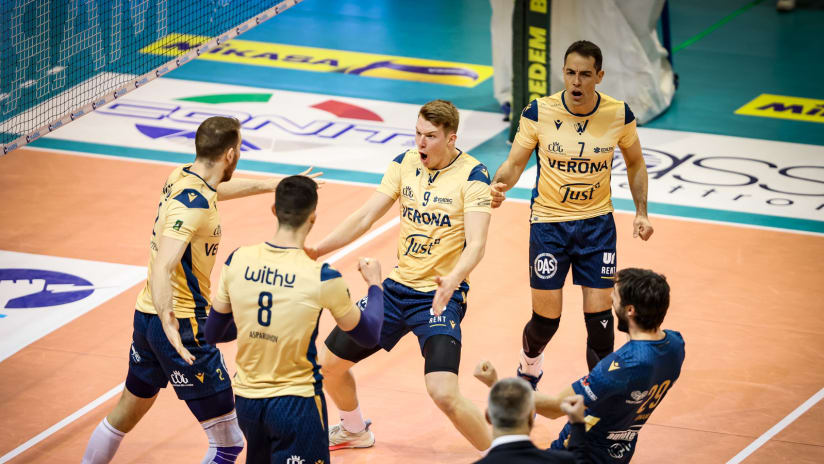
284, 429
587, 244
153, 359
406, 309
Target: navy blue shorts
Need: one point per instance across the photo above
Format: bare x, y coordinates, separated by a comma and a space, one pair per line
587, 244
407, 310
284, 429
153, 360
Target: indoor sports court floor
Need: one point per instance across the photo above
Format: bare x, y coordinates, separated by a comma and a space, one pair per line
745, 273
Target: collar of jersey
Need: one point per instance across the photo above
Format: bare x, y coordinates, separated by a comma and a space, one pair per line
186, 169
597, 103
280, 247
460, 152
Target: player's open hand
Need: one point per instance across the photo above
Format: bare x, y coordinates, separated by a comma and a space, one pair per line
172, 329
370, 269
485, 372
641, 227
446, 287
313, 175
573, 407
498, 190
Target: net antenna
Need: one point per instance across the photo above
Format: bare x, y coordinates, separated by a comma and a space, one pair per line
94, 64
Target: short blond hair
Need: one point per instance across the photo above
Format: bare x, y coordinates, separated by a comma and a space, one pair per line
441, 113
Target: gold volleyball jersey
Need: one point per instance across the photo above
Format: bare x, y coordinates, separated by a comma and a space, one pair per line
188, 212
575, 154
432, 207
277, 295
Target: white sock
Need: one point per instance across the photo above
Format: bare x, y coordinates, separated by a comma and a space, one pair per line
103, 444
353, 420
531, 366
225, 439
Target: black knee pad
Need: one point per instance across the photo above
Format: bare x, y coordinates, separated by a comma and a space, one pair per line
537, 333
441, 353
138, 387
219, 404
343, 346
600, 336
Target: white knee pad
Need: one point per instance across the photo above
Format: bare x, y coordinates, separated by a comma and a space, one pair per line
223, 431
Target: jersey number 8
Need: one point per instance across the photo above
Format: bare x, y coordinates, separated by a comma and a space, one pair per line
265, 309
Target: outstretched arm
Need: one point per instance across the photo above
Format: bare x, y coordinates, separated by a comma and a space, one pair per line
509, 172
239, 187
353, 226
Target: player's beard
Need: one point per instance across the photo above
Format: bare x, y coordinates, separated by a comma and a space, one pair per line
227, 173
623, 322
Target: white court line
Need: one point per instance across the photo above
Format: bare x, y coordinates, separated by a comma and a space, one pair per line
109, 394
56, 427
777, 428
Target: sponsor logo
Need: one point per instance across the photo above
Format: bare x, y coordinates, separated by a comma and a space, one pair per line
268, 276
579, 166
211, 249
442, 200
452, 324
618, 450
784, 107
352, 123
637, 397
179, 380
578, 191
741, 183
407, 193
435, 321
622, 435
604, 323
216, 232
545, 266
325, 60
613, 366
585, 383
177, 225
609, 270
38, 288
558, 124
419, 245
555, 147
602, 149
135, 355
200, 376
434, 219
295, 459
580, 128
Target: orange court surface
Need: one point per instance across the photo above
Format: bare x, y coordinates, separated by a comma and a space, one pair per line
747, 301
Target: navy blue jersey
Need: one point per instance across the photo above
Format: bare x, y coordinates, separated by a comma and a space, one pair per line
621, 393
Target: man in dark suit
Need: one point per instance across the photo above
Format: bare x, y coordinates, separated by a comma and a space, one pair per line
511, 412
